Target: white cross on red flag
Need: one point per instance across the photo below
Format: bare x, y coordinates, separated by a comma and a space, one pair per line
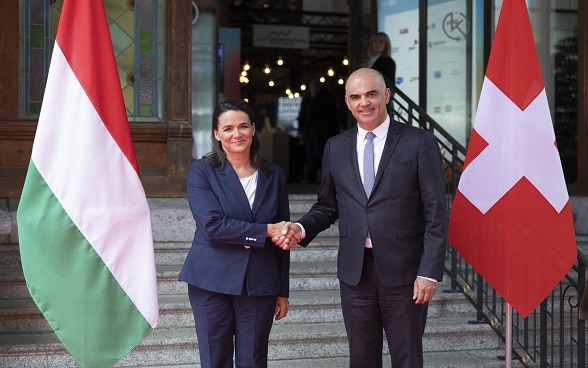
511, 218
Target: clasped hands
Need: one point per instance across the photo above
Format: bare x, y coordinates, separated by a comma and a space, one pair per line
284, 234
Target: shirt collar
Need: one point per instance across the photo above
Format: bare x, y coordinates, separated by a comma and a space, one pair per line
381, 131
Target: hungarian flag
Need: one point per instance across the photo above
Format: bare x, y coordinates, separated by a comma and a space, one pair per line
511, 217
83, 221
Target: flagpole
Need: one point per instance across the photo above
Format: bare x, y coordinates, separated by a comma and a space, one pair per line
507, 356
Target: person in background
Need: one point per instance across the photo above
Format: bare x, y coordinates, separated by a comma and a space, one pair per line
318, 122
238, 280
383, 181
380, 58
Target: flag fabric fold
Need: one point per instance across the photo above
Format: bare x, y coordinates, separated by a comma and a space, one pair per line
511, 218
83, 220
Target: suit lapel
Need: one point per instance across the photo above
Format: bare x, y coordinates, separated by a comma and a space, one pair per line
231, 180
263, 181
351, 151
392, 139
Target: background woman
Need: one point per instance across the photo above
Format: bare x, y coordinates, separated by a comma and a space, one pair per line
380, 58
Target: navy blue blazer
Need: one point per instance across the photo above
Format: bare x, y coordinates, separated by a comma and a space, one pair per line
225, 223
406, 214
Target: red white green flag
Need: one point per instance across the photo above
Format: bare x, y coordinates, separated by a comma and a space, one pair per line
83, 220
511, 218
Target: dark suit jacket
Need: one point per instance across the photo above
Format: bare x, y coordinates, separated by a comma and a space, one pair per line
225, 223
386, 66
406, 214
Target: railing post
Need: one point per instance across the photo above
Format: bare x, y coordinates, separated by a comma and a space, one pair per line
543, 334
581, 323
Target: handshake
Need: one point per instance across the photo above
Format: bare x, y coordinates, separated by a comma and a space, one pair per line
284, 234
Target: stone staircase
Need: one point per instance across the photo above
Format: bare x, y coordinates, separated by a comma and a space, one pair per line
312, 335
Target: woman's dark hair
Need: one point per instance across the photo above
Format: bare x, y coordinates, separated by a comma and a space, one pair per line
217, 157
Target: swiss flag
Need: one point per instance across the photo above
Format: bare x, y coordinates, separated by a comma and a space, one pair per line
511, 217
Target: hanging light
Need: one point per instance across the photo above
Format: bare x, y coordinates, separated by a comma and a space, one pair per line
271, 83
340, 81
246, 66
303, 87
280, 61
345, 61
267, 69
331, 72
322, 79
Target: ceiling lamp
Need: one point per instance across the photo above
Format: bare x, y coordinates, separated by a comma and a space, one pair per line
271, 83
345, 61
331, 72
246, 66
267, 69
280, 61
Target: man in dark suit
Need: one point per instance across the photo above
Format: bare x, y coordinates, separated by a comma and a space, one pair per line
392, 237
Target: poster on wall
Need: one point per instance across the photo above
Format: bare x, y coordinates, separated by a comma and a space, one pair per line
400, 20
448, 70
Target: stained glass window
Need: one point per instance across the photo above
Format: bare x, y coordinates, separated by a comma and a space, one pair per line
136, 29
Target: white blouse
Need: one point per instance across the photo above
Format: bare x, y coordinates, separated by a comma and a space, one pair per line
249, 185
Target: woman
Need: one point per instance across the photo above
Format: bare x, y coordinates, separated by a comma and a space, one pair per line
237, 278
380, 58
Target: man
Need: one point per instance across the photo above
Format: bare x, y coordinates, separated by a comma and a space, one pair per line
392, 240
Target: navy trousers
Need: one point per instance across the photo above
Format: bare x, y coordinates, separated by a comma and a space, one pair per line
370, 309
221, 319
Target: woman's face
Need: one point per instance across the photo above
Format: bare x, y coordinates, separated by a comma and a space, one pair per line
235, 132
378, 45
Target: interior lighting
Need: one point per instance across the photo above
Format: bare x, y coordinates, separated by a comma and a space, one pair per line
303, 87
345, 61
271, 83
322, 79
246, 66
280, 61
331, 72
267, 69
340, 81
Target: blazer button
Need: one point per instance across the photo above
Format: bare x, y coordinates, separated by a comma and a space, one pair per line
368, 210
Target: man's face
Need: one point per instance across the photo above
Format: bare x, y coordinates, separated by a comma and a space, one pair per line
366, 96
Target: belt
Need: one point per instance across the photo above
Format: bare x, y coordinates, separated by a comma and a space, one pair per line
368, 252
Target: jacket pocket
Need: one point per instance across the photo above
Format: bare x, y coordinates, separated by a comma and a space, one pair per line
409, 233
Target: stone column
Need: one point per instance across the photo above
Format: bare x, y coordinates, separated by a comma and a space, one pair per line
581, 185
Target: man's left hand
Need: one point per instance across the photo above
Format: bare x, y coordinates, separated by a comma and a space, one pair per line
423, 290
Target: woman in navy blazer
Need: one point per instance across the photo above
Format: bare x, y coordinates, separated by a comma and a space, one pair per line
237, 278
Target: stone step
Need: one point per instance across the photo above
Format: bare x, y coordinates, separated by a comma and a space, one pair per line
322, 248
306, 306
172, 220
177, 346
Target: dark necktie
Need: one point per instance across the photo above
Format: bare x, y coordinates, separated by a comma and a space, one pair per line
368, 163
